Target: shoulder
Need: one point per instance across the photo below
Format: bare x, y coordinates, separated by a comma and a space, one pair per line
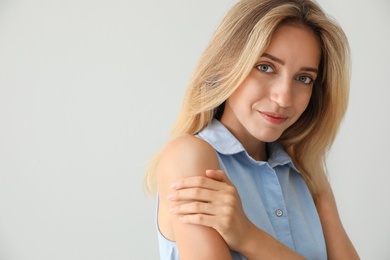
188, 153
185, 156
188, 143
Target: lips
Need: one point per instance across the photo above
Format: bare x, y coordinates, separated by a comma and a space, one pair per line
274, 117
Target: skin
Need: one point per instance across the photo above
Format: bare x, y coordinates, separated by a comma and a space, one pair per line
244, 236
277, 89
187, 156
204, 203
221, 211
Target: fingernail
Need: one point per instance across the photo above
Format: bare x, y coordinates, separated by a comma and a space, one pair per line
174, 186
172, 210
170, 196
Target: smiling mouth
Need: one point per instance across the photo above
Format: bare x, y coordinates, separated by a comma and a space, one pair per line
274, 118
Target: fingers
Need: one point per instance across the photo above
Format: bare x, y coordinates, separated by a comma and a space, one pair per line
212, 221
192, 194
204, 189
194, 208
218, 175
199, 182
199, 219
200, 208
226, 196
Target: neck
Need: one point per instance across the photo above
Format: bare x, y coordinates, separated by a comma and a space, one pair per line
255, 148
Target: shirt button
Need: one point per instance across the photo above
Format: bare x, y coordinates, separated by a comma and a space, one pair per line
279, 213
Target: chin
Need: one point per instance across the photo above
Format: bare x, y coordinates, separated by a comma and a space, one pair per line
269, 138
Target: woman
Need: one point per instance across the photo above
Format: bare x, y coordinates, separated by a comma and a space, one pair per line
263, 106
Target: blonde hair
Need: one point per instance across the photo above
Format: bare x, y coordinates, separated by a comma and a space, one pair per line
241, 38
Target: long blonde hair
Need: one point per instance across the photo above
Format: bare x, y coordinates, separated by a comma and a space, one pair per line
241, 38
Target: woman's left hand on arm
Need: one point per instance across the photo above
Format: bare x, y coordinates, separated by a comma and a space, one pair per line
214, 203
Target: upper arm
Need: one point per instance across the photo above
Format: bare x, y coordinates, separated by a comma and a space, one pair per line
184, 157
338, 244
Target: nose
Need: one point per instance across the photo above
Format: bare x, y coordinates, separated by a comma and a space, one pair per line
281, 93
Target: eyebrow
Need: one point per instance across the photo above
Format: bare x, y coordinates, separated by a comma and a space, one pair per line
269, 56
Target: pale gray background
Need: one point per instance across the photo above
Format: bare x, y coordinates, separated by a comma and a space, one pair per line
89, 91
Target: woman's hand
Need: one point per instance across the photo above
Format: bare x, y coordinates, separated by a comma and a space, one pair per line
212, 202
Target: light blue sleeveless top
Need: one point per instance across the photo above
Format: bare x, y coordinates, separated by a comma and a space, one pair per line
273, 194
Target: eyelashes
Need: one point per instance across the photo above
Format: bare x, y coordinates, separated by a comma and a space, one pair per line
267, 68
305, 79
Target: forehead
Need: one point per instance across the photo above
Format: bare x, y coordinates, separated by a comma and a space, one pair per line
296, 43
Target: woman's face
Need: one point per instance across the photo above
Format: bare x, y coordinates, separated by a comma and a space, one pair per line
278, 88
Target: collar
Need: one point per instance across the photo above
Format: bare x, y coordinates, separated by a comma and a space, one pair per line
224, 142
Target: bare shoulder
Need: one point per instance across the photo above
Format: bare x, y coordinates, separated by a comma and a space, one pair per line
186, 156
183, 157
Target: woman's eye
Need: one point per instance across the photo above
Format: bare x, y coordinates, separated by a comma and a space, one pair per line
265, 68
305, 79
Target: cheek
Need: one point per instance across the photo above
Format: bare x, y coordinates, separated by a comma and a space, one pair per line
243, 95
303, 101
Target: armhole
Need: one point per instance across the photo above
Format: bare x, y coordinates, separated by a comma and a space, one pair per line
167, 248
160, 234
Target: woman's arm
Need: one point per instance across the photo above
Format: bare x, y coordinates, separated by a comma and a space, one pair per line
213, 201
183, 157
224, 213
338, 244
